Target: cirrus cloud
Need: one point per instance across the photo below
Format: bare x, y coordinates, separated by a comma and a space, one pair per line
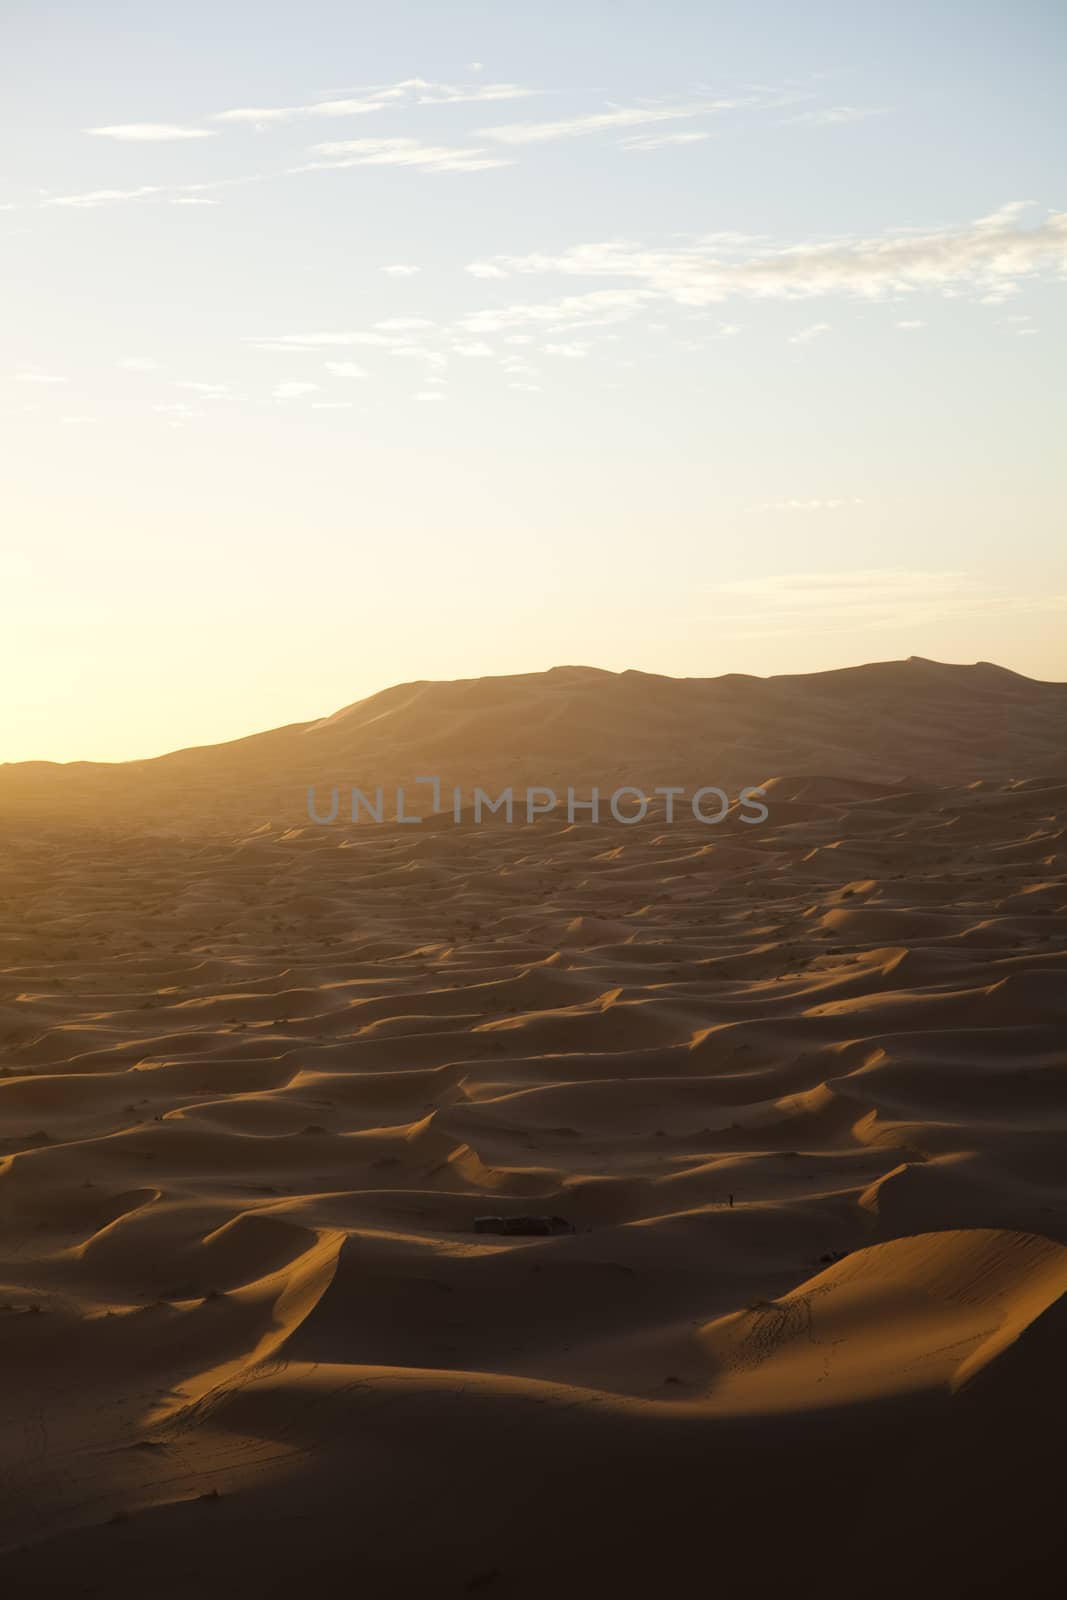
401, 152
417, 91
150, 132
606, 121
986, 256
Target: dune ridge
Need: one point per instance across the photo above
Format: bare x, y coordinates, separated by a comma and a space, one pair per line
914, 722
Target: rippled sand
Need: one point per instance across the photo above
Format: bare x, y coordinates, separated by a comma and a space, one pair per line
799, 1088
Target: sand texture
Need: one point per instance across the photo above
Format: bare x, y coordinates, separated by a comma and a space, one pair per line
799, 1088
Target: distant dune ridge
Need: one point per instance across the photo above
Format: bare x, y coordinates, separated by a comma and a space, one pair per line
794, 1097
916, 721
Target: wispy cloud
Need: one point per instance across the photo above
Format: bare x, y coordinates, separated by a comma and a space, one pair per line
603, 121
321, 108
102, 197
43, 378
656, 141
401, 152
401, 270
294, 391
980, 257
599, 307
831, 115
805, 335
186, 194
416, 91
443, 95
150, 132
345, 369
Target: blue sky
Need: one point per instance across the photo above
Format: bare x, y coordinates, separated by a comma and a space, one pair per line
350, 344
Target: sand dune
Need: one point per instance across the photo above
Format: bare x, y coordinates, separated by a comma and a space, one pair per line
798, 1088
829, 738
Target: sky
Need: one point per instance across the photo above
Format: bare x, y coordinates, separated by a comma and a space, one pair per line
350, 344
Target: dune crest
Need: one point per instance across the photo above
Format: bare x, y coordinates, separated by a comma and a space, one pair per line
815, 738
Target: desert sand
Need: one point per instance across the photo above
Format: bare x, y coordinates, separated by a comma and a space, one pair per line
798, 1088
